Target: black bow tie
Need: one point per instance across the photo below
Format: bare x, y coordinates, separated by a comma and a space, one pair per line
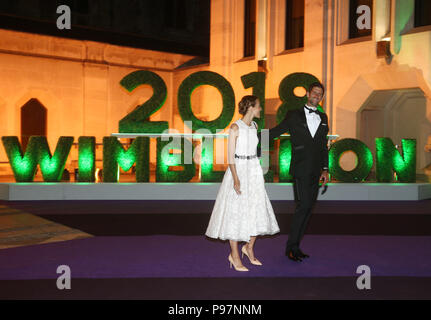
311, 110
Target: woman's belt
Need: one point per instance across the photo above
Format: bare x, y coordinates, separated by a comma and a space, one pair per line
245, 157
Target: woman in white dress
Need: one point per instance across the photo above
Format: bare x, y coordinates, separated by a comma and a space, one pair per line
242, 210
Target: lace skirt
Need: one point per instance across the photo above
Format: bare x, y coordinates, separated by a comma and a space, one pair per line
238, 217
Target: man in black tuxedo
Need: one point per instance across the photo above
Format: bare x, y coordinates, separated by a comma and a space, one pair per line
308, 129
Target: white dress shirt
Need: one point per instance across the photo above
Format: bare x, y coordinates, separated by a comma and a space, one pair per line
313, 120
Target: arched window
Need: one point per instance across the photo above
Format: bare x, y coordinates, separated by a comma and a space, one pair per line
33, 121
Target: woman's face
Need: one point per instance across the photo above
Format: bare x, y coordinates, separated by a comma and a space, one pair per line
256, 109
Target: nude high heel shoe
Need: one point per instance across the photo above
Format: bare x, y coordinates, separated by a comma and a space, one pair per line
236, 268
255, 261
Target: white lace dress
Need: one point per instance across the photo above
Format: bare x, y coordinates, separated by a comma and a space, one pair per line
237, 217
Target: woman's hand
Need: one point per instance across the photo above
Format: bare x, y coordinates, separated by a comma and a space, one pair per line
237, 186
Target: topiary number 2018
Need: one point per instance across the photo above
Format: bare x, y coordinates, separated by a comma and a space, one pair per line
137, 121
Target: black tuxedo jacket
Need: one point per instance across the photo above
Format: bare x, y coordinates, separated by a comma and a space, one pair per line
309, 154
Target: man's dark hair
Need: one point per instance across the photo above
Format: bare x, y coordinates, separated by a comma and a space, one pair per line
316, 84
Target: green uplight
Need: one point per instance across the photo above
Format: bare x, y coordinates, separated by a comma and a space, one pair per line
165, 160
207, 162
24, 168
87, 159
126, 159
52, 166
284, 158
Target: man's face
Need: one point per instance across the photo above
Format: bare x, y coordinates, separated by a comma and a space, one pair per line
315, 96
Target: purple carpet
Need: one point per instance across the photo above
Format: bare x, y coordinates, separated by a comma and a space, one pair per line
196, 256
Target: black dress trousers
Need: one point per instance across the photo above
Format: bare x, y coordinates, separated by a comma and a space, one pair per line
306, 189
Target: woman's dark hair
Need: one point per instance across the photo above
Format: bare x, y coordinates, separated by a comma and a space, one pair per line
247, 102
316, 84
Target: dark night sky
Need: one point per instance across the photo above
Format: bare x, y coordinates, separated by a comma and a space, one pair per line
180, 26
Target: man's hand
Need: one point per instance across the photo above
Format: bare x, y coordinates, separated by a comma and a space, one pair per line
325, 177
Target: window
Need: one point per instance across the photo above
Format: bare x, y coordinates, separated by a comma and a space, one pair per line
76, 6
33, 121
294, 24
176, 15
250, 28
422, 13
354, 30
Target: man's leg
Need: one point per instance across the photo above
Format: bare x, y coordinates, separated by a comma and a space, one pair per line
314, 187
304, 195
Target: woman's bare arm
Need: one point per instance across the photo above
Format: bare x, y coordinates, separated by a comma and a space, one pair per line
233, 135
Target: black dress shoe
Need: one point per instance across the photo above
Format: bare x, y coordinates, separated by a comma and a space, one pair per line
302, 254
293, 256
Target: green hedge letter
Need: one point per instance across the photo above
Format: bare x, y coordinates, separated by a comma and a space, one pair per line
86, 159
284, 157
212, 79
37, 152
114, 155
137, 121
389, 158
363, 167
166, 159
207, 162
256, 80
